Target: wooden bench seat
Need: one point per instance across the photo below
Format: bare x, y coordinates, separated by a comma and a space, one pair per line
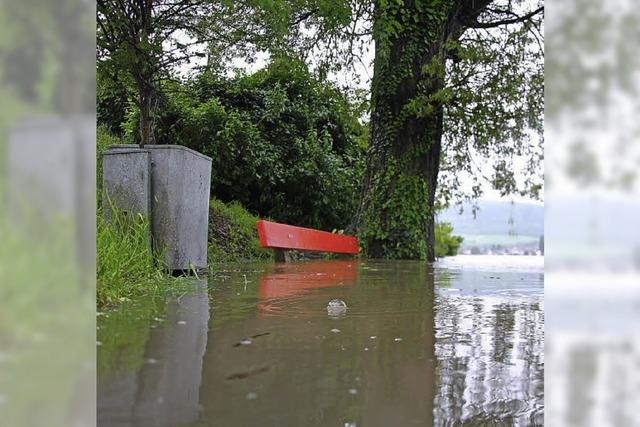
283, 237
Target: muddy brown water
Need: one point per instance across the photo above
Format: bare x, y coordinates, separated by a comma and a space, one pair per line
460, 342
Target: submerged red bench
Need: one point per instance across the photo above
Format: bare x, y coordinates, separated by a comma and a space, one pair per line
282, 237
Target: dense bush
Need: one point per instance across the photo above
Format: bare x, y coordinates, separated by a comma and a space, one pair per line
284, 144
446, 243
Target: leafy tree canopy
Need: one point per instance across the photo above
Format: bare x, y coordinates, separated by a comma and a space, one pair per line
494, 63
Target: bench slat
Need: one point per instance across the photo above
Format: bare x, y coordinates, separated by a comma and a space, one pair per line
283, 236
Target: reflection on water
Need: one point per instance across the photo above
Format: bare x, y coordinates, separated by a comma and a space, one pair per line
163, 385
459, 342
490, 345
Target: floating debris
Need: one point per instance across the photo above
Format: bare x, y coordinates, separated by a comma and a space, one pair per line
260, 335
336, 308
248, 341
337, 303
245, 341
152, 361
373, 337
182, 322
335, 330
366, 349
353, 391
158, 319
245, 374
98, 343
398, 339
252, 396
349, 424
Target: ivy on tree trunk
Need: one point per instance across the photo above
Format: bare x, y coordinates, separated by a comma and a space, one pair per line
397, 204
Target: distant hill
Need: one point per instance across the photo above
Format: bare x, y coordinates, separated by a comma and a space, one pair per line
493, 218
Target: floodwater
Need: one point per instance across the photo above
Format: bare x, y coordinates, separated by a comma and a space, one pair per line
460, 342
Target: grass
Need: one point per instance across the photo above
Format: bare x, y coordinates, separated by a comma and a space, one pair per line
127, 266
232, 234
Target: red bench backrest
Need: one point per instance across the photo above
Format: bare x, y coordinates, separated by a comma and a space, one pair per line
282, 236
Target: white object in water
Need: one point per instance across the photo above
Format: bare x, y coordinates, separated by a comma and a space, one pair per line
336, 307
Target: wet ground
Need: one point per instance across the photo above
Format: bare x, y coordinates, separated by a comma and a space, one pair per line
457, 343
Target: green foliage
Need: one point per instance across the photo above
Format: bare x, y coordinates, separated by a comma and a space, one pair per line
446, 243
232, 234
283, 143
126, 264
493, 127
393, 223
113, 99
139, 44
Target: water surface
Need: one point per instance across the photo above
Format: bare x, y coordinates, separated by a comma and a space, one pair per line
460, 342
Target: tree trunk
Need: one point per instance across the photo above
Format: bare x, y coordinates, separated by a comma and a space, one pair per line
396, 212
145, 79
146, 99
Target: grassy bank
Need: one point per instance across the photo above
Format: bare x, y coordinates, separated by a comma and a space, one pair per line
232, 234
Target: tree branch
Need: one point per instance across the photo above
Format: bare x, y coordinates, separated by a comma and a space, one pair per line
507, 21
303, 17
